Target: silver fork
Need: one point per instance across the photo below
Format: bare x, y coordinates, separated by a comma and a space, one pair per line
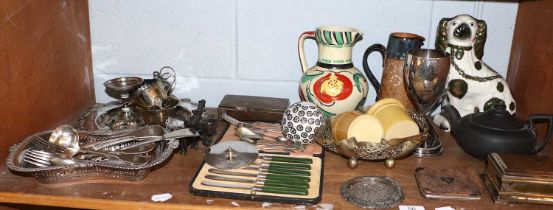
43, 143
37, 158
42, 158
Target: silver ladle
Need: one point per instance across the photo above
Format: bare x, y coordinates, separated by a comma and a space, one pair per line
67, 137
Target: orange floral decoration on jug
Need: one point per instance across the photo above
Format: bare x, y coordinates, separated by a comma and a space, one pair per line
332, 87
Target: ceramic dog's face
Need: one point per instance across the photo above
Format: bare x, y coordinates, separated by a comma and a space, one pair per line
461, 30
464, 31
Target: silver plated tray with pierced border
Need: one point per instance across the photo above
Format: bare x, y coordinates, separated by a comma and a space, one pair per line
372, 192
90, 170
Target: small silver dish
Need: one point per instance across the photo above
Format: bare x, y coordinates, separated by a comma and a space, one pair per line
372, 192
159, 116
122, 87
122, 117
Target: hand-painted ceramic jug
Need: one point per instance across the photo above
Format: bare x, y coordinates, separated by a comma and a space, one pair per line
334, 84
393, 59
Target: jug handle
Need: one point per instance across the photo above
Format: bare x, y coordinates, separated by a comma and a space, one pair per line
382, 50
301, 51
549, 119
167, 76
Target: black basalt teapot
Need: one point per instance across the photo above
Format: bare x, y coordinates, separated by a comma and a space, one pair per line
495, 130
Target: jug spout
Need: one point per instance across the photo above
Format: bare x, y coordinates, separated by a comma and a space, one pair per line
335, 44
400, 43
338, 35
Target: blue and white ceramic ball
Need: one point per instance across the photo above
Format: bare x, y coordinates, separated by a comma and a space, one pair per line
300, 120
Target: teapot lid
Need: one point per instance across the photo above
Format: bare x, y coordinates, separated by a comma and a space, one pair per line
498, 118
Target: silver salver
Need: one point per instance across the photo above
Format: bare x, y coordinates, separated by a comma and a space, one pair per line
96, 120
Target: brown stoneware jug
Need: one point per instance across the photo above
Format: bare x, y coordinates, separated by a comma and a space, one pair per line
394, 58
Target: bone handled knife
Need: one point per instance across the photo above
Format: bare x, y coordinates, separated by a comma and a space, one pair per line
267, 182
254, 188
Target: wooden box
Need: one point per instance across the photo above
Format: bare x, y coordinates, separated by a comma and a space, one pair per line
254, 108
519, 178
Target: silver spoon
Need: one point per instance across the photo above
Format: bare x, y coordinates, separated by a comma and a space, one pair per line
62, 161
242, 131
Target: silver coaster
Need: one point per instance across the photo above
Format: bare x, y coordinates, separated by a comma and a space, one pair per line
372, 192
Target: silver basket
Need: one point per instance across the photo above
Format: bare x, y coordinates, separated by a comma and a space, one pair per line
387, 150
85, 170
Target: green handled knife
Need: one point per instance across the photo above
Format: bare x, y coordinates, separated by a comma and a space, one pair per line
266, 183
279, 170
261, 175
285, 165
254, 189
287, 159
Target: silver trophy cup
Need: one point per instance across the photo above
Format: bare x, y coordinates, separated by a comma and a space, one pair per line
426, 72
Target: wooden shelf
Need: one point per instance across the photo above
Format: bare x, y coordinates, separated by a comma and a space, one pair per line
176, 175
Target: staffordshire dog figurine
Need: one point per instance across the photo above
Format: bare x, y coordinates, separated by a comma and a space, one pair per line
472, 85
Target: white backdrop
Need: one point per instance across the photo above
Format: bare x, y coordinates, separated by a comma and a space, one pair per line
249, 47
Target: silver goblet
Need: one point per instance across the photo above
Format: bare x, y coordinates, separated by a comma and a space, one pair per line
426, 72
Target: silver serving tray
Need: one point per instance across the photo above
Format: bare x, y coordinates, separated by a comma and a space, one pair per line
85, 170
96, 119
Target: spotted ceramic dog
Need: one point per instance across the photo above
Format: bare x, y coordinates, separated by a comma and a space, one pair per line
472, 85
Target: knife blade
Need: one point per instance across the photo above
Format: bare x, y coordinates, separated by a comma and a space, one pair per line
254, 189
279, 170
287, 159
261, 175
268, 182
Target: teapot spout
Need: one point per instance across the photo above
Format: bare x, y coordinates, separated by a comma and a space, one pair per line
453, 116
